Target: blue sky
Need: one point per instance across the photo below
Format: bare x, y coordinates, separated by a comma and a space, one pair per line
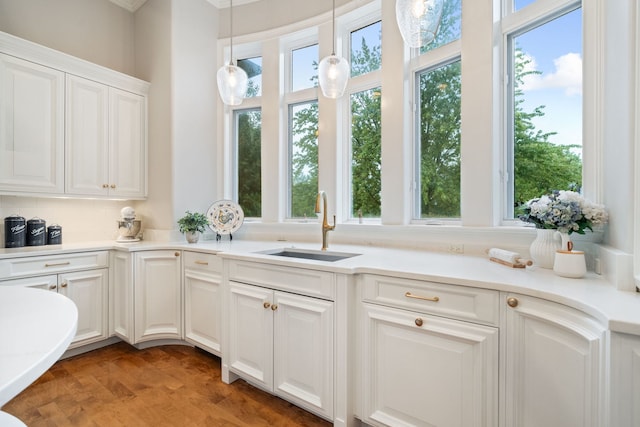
556, 50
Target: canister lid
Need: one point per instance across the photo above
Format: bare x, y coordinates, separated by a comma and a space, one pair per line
14, 217
54, 227
36, 220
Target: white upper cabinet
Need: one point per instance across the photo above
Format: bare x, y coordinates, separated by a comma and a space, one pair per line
87, 137
68, 126
105, 140
127, 144
31, 127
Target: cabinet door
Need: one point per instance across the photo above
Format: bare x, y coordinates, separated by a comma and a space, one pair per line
303, 351
121, 296
553, 365
89, 291
158, 295
625, 380
202, 310
49, 283
31, 127
251, 332
427, 370
87, 137
127, 144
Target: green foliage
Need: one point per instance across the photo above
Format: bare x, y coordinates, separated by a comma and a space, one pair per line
304, 162
540, 166
440, 142
249, 166
193, 221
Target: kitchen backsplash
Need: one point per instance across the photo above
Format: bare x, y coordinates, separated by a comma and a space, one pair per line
81, 220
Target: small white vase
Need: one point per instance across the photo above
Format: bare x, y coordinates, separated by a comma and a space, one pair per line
192, 236
543, 248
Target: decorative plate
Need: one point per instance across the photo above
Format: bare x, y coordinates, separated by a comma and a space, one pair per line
225, 216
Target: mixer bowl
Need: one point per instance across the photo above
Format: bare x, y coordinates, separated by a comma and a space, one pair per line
128, 229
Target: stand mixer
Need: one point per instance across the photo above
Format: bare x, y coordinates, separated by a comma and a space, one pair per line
128, 226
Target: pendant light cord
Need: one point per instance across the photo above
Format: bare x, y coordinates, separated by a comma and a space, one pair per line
333, 29
231, 32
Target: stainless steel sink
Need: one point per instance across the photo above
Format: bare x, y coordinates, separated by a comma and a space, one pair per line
309, 254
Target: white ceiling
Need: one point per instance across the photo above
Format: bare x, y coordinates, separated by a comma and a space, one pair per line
133, 5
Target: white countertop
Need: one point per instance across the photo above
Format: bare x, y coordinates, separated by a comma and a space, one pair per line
618, 310
36, 327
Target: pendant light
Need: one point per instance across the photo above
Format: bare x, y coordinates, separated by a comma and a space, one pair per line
418, 20
333, 71
232, 80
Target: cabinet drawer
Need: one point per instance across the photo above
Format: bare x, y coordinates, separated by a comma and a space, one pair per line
297, 280
202, 262
459, 302
31, 266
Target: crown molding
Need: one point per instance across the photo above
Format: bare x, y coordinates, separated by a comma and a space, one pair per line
130, 5
221, 4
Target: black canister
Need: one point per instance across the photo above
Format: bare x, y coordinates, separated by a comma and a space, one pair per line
36, 232
54, 235
15, 231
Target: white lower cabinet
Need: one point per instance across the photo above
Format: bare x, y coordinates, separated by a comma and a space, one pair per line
202, 300
625, 380
554, 365
158, 295
121, 295
425, 370
89, 290
82, 277
283, 343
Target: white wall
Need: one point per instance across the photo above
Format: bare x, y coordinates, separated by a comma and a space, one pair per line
95, 30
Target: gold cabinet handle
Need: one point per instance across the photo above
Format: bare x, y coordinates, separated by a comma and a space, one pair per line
176, 253
419, 322
113, 186
105, 185
266, 304
201, 262
274, 307
52, 287
57, 264
410, 295
63, 284
512, 302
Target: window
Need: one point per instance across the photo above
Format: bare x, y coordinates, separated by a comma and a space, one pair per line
366, 131
366, 122
437, 122
545, 133
438, 147
248, 128
304, 159
366, 49
304, 68
449, 29
253, 68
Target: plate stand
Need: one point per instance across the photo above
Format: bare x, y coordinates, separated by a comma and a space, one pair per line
219, 237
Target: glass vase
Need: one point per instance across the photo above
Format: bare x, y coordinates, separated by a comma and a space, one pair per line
543, 248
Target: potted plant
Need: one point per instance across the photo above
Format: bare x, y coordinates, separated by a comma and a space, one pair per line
192, 224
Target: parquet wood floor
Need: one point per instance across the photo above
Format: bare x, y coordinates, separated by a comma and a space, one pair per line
172, 385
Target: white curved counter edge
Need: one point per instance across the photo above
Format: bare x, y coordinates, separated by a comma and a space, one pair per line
36, 327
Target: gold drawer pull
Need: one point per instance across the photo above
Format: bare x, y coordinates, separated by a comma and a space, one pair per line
57, 264
266, 304
201, 262
274, 307
419, 321
410, 295
512, 302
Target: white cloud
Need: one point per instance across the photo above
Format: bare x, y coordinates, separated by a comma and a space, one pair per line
567, 75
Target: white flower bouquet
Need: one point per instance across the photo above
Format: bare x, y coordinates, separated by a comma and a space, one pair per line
565, 211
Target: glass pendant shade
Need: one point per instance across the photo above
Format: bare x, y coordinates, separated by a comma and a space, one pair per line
232, 84
333, 73
418, 20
